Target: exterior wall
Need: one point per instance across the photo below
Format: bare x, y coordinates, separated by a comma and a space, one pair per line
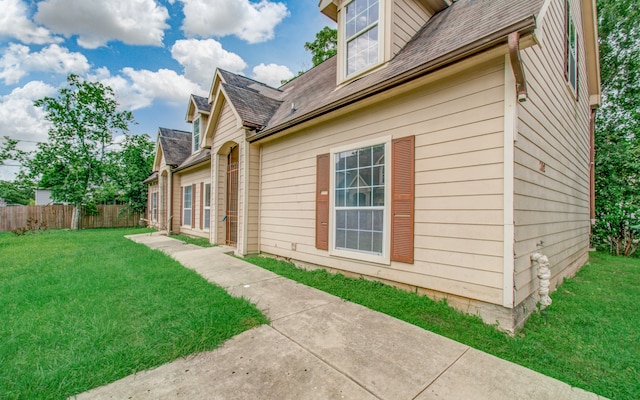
458, 128
187, 178
407, 17
551, 160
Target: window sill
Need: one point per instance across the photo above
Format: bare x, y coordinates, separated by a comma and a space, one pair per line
359, 256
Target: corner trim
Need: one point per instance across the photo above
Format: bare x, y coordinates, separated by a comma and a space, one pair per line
510, 136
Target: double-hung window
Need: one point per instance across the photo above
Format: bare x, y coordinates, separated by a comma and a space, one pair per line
572, 51
186, 205
207, 206
196, 134
361, 35
360, 200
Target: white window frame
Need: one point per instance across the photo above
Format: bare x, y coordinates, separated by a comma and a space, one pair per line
186, 189
345, 40
195, 137
572, 52
206, 207
385, 257
154, 207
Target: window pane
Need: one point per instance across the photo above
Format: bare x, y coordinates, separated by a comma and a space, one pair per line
340, 198
364, 157
352, 240
378, 196
378, 216
341, 219
352, 198
352, 178
352, 219
340, 180
366, 220
377, 177
352, 159
378, 155
207, 219
364, 242
207, 195
365, 176
341, 238
187, 217
377, 242
364, 197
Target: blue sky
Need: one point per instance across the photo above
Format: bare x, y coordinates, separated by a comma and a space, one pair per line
153, 53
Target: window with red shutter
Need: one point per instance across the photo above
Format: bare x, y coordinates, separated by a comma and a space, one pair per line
362, 220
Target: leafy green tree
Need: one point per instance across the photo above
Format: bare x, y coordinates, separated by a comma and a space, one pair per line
10, 151
617, 159
129, 167
73, 161
324, 47
15, 192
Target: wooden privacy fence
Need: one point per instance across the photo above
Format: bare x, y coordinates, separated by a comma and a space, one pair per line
59, 217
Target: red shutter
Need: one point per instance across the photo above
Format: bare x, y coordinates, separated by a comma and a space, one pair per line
193, 205
323, 170
402, 199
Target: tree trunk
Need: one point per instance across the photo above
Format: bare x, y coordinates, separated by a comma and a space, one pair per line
75, 217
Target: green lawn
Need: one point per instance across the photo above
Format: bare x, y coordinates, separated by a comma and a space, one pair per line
589, 337
84, 308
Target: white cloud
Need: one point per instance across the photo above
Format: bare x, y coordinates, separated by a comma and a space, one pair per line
15, 23
271, 74
19, 119
200, 58
18, 61
147, 86
137, 22
250, 21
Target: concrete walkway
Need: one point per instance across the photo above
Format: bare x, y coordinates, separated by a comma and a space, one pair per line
321, 347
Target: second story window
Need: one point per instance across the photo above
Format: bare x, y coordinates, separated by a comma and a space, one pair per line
571, 44
196, 134
361, 34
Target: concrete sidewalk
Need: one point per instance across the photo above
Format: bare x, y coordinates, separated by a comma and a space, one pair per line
321, 347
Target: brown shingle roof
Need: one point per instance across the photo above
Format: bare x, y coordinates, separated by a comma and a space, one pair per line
202, 104
195, 159
176, 145
254, 108
465, 27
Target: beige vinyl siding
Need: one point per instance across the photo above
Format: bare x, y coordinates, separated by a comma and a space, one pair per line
407, 17
551, 207
457, 123
253, 211
202, 174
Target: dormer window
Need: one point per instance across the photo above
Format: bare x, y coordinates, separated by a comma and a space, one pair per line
361, 35
196, 134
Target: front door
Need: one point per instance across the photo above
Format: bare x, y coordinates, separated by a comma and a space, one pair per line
232, 197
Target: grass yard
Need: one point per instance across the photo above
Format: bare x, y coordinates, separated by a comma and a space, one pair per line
589, 337
198, 241
84, 308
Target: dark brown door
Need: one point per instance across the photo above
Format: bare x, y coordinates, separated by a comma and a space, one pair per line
232, 197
